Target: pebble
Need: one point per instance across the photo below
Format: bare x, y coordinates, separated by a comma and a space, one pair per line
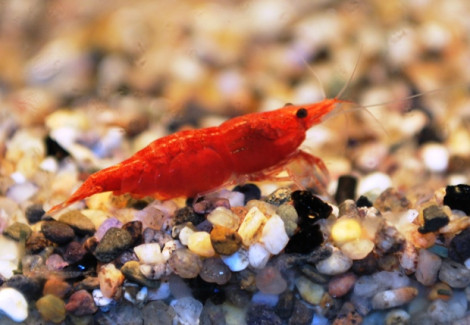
100, 300
13, 304
238, 261
392, 200
279, 197
393, 298
185, 263
274, 235
200, 243
57, 232
340, 285
435, 157
21, 192
224, 217
81, 303
311, 272
187, 310
258, 255
440, 290
134, 228
260, 314
51, 308
434, 218
454, 274
105, 226
155, 272
310, 207
357, 249
57, 287
34, 213
113, 243
225, 241
337, 263
363, 201
31, 288
458, 198
131, 271
396, 317
150, 235
250, 191
215, 271
81, 224
265, 299
55, 262
376, 182
306, 240
445, 312
459, 246
111, 280
18, 231
309, 291
158, 310
149, 253
428, 267
270, 281
74, 252
346, 229
251, 227
348, 315
285, 304
290, 218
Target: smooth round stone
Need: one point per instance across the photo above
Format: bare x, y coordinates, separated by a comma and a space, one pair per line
337, 263
34, 213
56, 287
81, 303
187, 310
18, 231
435, 157
357, 249
184, 234
270, 281
274, 235
238, 261
225, 241
397, 316
346, 229
185, 263
341, 284
376, 182
224, 217
149, 253
258, 255
215, 271
13, 304
309, 291
79, 222
249, 230
51, 308
454, 274
57, 232
110, 280
393, 298
200, 244
113, 243
428, 267
290, 217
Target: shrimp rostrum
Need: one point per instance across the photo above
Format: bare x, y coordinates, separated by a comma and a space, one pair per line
251, 147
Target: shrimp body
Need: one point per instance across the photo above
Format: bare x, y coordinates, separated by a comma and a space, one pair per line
187, 163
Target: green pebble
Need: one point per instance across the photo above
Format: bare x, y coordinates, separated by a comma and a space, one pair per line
290, 217
16, 230
51, 308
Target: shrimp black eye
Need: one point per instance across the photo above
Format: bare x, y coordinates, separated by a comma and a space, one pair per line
301, 113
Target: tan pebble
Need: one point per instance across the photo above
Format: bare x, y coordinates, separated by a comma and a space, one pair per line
440, 291
200, 243
56, 287
265, 208
224, 240
251, 227
393, 298
346, 229
240, 212
110, 280
357, 249
224, 217
309, 291
51, 308
341, 284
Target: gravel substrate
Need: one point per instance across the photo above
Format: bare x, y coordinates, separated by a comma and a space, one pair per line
85, 84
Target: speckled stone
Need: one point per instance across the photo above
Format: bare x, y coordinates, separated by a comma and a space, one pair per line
79, 222
225, 241
51, 308
348, 315
131, 271
215, 271
185, 263
187, 214
262, 315
57, 287
454, 274
18, 231
279, 197
81, 303
301, 315
113, 243
459, 247
74, 252
135, 230
57, 232
285, 304
392, 200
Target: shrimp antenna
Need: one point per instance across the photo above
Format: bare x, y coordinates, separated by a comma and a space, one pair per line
315, 75
346, 85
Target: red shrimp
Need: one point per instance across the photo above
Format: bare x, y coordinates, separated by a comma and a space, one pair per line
251, 147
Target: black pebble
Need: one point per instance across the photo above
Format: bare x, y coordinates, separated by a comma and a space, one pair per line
434, 218
135, 229
363, 201
346, 188
459, 247
203, 290
187, 214
251, 191
285, 305
55, 149
57, 232
34, 213
458, 197
262, 315
30, 287
309, 207
305, 240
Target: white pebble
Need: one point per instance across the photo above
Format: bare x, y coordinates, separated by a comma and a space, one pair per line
187, 310
13, 304
274, 236
169, 248
337, 263
184, 235
435, 157
149, 253
238, 261
258, 256
251, 225
8, 256
377, 182
22, 192
100, 299
49, 165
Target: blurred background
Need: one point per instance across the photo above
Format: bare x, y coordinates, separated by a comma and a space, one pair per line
103, 79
